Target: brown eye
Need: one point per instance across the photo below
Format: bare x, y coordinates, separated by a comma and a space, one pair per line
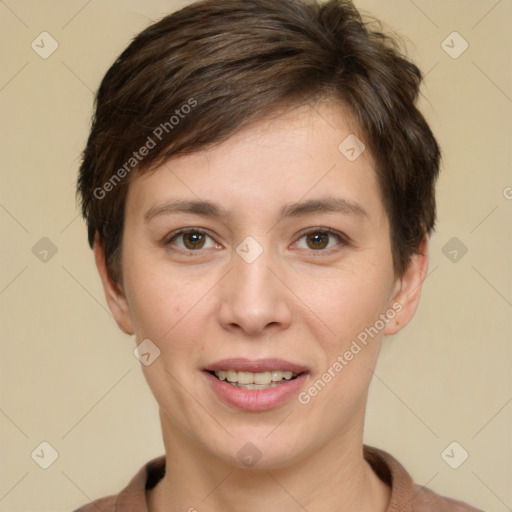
318, 240
322, 240
191, 240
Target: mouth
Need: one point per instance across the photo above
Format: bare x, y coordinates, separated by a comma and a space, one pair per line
256, 385
252, 381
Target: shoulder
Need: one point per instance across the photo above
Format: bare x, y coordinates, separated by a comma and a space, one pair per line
106, 504
427, 500
406, 496
133, 496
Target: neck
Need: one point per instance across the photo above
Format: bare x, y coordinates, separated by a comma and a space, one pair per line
332, 477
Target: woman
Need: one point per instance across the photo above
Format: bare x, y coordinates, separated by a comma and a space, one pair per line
258, 186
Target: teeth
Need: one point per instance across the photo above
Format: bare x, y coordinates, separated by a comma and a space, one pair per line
277, 376
260, 378
245, 378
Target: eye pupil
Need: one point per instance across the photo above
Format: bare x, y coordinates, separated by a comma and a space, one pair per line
196, 240
319, 240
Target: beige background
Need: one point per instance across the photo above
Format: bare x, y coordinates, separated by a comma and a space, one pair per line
68, 375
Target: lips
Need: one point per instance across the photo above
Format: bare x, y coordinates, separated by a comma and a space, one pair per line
256, 366
255, 385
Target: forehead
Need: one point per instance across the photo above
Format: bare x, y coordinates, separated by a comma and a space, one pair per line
300, 154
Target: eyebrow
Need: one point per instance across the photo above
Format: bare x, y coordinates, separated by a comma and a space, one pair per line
291, 210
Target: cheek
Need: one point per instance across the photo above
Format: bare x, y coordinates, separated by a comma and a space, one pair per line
350, 307
170, 303
154, 305
165, 305
346, 303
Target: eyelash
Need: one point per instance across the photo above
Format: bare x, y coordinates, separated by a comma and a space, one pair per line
341, 238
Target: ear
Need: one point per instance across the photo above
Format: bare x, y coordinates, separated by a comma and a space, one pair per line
407, 291
114, 294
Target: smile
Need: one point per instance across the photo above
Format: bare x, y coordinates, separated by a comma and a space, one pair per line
255, 385
251, 380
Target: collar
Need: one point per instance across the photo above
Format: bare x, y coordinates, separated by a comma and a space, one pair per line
403, 491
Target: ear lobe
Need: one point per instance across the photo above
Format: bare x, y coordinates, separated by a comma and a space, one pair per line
407, 290
114, 295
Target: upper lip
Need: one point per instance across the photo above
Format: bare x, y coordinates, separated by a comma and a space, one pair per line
255, 365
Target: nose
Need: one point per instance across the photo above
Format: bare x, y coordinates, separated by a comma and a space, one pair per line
254, 299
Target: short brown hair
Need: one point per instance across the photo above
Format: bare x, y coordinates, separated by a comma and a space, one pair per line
204, 72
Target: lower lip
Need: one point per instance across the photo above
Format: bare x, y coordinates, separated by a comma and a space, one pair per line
256, 399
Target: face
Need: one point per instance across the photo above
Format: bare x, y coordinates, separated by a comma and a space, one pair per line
265, 261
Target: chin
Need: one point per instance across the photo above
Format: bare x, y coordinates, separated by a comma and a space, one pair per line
255, 449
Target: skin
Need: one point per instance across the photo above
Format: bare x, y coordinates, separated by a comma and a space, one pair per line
296, 301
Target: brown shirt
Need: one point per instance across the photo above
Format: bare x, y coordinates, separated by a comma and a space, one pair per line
405, 495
